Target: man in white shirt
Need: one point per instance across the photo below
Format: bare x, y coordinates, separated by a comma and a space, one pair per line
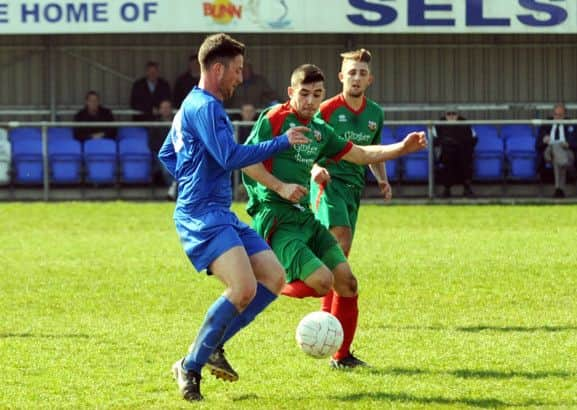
556, 142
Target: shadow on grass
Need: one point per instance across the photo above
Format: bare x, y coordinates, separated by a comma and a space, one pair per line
506, 329
409, 398
481, 328
250, 396
43, 336
492, 374
469, 373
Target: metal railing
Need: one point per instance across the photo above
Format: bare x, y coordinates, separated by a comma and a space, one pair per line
44, 125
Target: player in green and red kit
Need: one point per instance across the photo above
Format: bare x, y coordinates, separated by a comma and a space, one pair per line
336, 187
313, 260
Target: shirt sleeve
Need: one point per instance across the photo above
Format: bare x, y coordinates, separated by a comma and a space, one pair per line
335, 147
217, 135
167, 155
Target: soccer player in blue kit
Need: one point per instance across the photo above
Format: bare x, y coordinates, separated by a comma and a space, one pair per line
200, 153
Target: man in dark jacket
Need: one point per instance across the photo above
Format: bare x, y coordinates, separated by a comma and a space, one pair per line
93, 112
457, 144
556, 144
148, 92
186, 81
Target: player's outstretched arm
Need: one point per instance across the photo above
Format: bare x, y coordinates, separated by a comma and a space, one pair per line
371, 154
290, 192
380, 173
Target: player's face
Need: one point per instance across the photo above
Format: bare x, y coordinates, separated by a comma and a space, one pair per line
231, 77
356, 77
306, 98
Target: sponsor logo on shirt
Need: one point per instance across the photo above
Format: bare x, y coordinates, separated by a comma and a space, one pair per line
358, 137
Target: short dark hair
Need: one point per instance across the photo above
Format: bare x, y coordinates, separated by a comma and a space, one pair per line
91, 92
362, 55
152, 64
219, 48
306, 74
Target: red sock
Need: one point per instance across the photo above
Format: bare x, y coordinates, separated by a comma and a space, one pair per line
327, 301
347, 311
299, 289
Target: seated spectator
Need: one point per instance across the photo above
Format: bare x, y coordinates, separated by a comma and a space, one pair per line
93, 112
556, 144
247, 113
156, 136
456, 143
186, 81
254, 89
148, 92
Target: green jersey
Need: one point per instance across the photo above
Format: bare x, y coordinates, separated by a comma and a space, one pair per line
361, 127
293, 165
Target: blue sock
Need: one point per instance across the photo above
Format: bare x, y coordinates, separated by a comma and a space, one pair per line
218, 317
262, 299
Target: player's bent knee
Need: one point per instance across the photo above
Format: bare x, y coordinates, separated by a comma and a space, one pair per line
241, 296
321, 283
347, 285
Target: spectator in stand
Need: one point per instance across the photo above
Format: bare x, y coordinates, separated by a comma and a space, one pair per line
247, 113
148, 92
186, 81
156, 136
556, 144
457, 144
93, 112
254, 89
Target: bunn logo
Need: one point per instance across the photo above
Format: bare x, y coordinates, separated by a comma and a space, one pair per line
375, 13
222, 11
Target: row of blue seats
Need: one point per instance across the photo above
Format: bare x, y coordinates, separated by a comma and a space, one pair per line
509, 154
99, 161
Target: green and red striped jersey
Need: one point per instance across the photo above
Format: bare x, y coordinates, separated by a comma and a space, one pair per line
293, 165
361, 127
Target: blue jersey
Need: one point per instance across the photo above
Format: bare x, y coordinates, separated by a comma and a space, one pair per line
200, 153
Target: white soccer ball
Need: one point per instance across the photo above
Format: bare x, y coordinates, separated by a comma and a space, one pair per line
319, 334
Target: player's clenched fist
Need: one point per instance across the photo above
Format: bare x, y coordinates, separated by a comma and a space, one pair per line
296, 135
293, 192
415, 141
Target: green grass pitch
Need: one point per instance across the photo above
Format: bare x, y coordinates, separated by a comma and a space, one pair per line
460, 307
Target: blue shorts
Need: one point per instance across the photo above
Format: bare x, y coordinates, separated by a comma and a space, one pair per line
207, 236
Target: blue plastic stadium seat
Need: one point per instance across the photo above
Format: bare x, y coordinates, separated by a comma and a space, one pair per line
416, 166
27, 160
392, 166
516, 130
402, 130
60, 133
135, 161
100, 159
387, 134
65, 158
25, 133
138, 133
522, 157
489, 157
486, 130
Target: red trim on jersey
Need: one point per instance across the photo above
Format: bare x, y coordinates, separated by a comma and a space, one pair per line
343, 152
320, 194
277, 116
272, 230
329, 106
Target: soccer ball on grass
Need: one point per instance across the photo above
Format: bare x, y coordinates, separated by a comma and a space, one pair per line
319, 334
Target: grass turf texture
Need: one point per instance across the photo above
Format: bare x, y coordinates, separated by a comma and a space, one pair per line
460, 307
